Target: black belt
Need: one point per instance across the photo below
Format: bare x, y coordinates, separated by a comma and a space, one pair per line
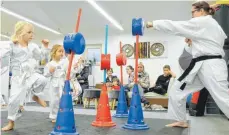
193, 62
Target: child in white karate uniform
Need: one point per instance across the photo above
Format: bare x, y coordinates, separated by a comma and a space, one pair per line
24, 80
56, 69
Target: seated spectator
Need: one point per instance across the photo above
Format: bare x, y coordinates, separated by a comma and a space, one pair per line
130, 72
112, 83
162, 83
143, 78
143, 82
115, 87
116, 83
82, 77
109, 79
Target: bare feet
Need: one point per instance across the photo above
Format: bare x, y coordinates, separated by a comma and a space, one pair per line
178, 124
39, 101
9, 126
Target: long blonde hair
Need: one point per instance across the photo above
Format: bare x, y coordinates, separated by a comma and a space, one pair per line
54, 50
18, 30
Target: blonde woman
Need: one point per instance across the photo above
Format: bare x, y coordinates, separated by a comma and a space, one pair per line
143, 83
25, 80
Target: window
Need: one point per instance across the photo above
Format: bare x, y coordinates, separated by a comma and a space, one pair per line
93, 53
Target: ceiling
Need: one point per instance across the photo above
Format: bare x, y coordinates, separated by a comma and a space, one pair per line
61, 15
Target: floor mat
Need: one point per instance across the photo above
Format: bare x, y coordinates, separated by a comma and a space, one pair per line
37, 123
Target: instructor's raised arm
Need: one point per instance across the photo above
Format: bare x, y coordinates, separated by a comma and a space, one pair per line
189, 29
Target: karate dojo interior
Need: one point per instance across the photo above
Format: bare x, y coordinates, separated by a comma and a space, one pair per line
59, 18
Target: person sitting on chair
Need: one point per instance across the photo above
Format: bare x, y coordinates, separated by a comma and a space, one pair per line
162, 82
130, 73
109, 79
82, 77
116, 83
143, 82
143, 78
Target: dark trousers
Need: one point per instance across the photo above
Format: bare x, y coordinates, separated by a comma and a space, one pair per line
199, 108
158, 90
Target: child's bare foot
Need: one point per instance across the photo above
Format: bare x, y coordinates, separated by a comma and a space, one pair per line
9, 126
53, 121
178, 124
39, 101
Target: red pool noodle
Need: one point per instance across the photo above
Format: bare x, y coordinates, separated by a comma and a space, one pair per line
72, 53
121, 66
136, 60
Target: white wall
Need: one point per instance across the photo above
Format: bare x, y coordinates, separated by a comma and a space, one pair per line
152, 66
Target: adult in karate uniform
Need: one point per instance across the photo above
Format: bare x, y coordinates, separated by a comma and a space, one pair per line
199, 99
207, 68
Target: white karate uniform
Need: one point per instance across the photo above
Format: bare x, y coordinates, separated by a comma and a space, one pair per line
207, 39
24, 80
57, 79
75, 85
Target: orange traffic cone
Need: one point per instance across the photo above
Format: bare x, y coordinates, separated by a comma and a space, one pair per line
103, 116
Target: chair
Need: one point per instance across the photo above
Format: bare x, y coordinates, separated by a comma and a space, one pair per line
113, 95
92, 93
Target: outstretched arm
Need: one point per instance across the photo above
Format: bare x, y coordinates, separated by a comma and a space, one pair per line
189, 29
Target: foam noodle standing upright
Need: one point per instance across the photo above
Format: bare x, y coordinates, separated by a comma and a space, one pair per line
103, 116
135, 119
